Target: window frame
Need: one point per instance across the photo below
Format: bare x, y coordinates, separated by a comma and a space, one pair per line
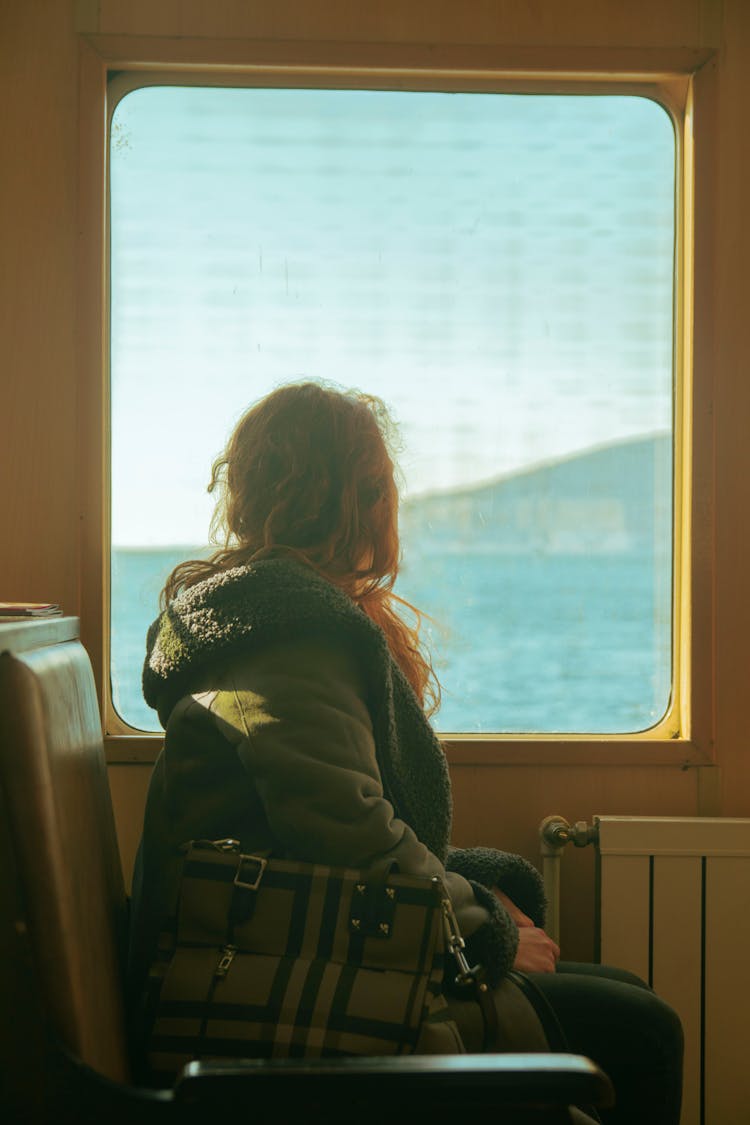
682, 83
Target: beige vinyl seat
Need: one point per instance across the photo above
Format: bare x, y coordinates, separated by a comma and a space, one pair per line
63, 920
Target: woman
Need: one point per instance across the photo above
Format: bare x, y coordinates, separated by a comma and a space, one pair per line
295, 698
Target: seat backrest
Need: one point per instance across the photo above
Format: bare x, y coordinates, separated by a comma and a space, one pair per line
54, 778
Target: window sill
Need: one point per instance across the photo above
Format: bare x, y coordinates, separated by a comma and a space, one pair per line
489, 750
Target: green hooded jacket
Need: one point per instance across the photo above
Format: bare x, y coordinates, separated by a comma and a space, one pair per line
290, 727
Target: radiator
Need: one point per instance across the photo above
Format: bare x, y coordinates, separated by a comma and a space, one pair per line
673, 900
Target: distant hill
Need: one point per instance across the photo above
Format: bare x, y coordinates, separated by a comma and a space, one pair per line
614, 499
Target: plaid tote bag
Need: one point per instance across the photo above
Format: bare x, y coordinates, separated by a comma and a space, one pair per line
270, 958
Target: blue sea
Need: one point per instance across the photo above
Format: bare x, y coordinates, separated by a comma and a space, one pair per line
523, 641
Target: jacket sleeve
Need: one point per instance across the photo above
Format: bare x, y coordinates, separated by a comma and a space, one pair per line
510, 873
302, 730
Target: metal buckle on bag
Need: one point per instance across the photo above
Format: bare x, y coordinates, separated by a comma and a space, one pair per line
455, 942
262, 864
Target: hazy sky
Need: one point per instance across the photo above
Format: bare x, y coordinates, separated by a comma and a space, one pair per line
498, 268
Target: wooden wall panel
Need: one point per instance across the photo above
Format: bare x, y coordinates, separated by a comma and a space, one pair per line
39, 554
129, 785
732, 413
503, 808
583, 22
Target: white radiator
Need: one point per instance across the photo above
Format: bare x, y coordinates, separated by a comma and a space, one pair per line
674, 907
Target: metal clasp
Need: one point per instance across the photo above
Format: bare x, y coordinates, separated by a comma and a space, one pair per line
227, 956
456, 944
262, 864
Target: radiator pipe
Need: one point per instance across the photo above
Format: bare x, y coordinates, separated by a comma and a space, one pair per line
554, 834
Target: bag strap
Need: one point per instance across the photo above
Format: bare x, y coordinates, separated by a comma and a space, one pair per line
547, 1016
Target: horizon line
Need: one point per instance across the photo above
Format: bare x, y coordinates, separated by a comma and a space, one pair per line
458, 490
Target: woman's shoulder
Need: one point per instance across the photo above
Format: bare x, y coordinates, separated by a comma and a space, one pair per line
312, 680
312, 659
247, 614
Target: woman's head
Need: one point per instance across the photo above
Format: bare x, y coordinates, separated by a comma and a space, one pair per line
308, 469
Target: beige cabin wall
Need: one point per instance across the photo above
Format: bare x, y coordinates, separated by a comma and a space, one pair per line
732, 413
38, 184
673, 23
39, 369
504, 806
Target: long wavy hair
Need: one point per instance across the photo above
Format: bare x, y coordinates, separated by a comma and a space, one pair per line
309, 471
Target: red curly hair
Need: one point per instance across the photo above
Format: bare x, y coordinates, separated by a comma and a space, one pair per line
308, 471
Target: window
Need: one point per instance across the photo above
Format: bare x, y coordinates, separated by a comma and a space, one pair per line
500, 269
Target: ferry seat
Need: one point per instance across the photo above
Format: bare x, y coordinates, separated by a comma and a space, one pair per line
63, 919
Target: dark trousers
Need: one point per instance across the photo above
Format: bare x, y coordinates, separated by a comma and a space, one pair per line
615, 1019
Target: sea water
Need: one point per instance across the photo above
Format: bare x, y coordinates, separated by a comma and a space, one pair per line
525, 641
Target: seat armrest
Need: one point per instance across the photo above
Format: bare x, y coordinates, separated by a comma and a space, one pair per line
444, 1090
443, 1085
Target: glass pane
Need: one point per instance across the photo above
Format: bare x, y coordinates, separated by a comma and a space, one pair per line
498, 268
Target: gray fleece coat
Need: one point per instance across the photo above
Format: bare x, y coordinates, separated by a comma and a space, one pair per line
289, 726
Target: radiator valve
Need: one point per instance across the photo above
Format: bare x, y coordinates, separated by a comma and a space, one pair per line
555, 833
